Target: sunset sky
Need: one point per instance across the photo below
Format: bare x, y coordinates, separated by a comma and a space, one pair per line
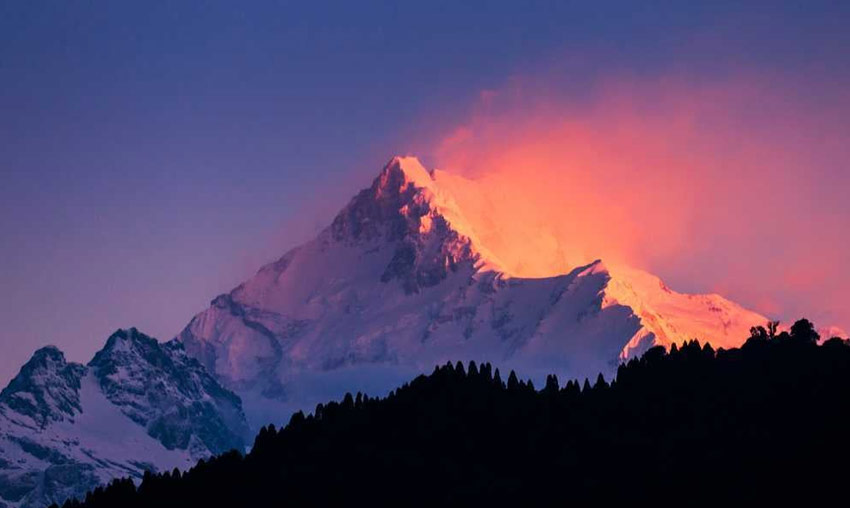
154, 156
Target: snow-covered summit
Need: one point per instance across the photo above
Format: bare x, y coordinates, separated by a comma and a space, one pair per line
404, 278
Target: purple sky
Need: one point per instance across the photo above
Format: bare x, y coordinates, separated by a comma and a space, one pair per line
152, 157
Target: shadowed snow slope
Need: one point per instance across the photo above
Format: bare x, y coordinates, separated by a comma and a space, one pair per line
139, 405
402, 280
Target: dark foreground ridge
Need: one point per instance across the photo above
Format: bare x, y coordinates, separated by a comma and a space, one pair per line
767, 422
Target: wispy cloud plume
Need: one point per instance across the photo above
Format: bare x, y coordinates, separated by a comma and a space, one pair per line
737, 185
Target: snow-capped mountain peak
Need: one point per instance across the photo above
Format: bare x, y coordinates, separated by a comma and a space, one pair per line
408, 204
406, 276
403, 279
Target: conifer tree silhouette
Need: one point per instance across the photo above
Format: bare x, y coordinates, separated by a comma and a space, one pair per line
692, 426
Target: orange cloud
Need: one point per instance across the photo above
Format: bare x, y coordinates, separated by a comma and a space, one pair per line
736, 184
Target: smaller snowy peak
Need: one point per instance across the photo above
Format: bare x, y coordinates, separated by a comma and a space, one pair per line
47, 389
138, 406
161, 388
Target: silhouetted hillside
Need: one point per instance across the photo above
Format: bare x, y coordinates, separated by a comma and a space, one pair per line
767, 422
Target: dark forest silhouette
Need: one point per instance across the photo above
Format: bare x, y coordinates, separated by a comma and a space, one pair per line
768, 422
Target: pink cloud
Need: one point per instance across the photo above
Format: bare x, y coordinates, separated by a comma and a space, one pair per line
737, 184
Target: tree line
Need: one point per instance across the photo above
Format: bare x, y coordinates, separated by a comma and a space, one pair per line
766, 422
